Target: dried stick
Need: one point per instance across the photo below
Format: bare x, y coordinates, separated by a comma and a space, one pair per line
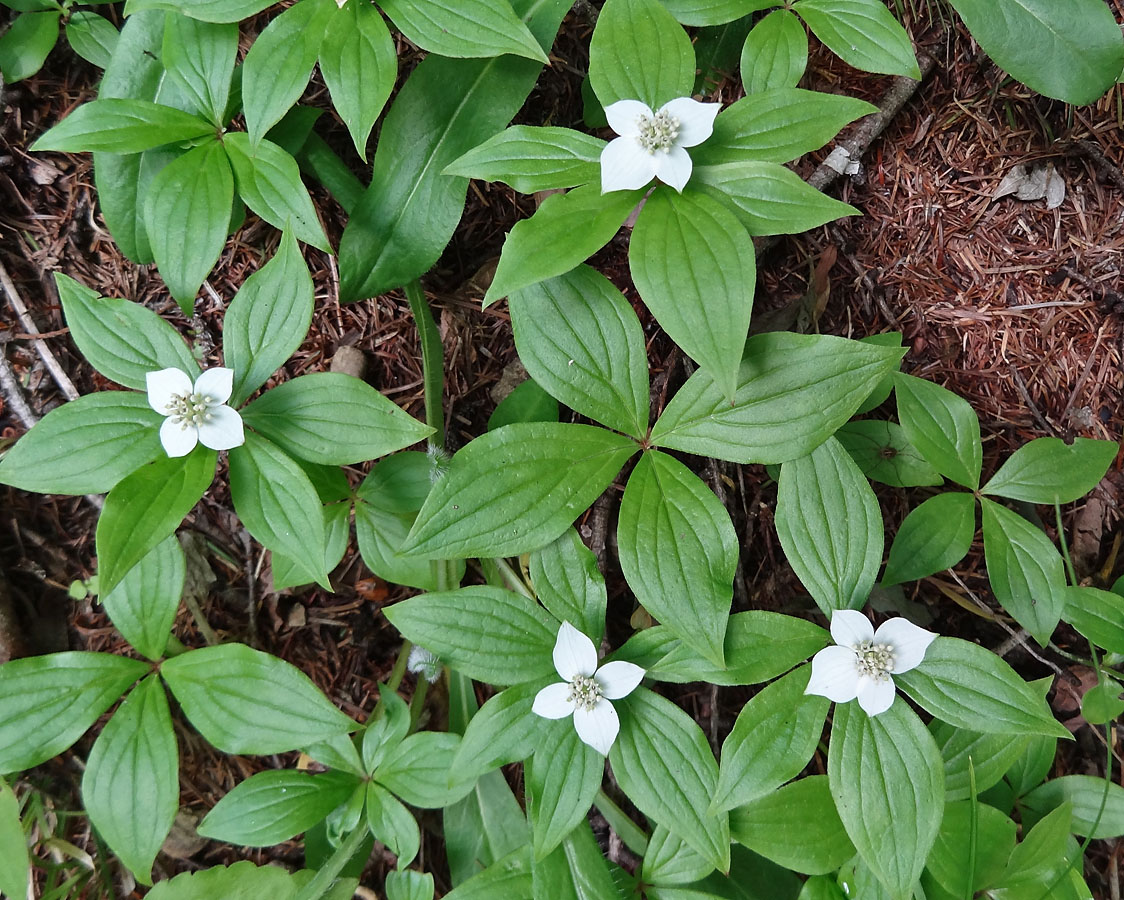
45, 354
10, 388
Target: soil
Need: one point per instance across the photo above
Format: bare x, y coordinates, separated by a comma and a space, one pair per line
1012, 305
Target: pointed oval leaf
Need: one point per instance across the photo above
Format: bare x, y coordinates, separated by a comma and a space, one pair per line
561, 785
15, 865
671, 860
568, 583
122, 126
25, 45
1086, 793
392, 824
933, 537
1097, 614
419, 770
863, 33
775, 53
409, 885
1048, 470
503, 731
715, 12
884, 454
533, 158
464, 28
204, 10
143, 606
92, 37
972, 848
200, 57
941, 425
973, 758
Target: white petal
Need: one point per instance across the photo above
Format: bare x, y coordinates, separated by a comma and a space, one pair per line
216, 383
618, 679
696, 120
834, 675
551, 702
598, 727
850, 627
626, 166
876, 695
624, 116
674, 167
908, 640
163, 385
177, 440
574, 653
223, 430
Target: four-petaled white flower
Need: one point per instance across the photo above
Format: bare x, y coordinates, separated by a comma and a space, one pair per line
861, 663
196, 413
651, 143
585, 689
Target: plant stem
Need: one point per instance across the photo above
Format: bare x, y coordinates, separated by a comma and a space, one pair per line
399, 670
513, 580
628, 831
326, 876
433, 361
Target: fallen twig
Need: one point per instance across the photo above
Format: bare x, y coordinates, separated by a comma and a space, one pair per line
20, 308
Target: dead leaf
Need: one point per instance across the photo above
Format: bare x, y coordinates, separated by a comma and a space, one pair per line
1033, 184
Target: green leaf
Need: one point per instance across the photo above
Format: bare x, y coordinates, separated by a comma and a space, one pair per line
639, 52
85, 446
1102, 703
693, 263
404, 220
971, 757
386, 728
778, 126
392, 824
121, 339
1025, 570
568, 583
333, 419
277, 66
793, 392
359, 63
887, 780
796, 826
664, 764
122, 126
92, 37
143, 606
678, 551
186, 214
271, 807
503, 731
1072, 53
270, 184
670, 860
278, 505
581, 340
942, 426
419, 770
772, 740
533, 158
409, 885
565, 231
863, 33
48, 702
24, 46
464, 28
1097, 614
576, 870
562, 779
1048, 470
885, 387
513, 490
484, 632
714, 12
974, 838
527, 402
246, 701
830, 527
884, 454
131, 784
775, 53
768, 198
1085, 792
267, 319
934, 536
970, 687
509, 876
204, 10
15, 866
200, 57
145, 507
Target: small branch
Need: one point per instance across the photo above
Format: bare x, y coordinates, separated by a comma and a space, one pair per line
45, 354
13, 396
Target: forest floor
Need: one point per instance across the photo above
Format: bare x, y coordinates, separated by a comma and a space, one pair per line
1014, 306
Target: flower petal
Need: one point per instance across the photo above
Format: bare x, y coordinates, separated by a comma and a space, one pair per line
696, 120
908, 640
834, 675
223, 430
850, 627
177, 440
216, 383
165, 384
624, 116
552, 703
674, 167
574, 653
625, 166
876, 695
618, 679
599, 726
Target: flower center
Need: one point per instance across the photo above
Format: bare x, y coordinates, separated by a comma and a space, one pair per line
585, 692
657, 132
874, 660
190, 410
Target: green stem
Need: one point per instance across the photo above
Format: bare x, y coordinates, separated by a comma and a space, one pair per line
628, 831
1065, 546
399, 670
317, 158
326, 876
201, 622
417, 702
513, 580
433, 361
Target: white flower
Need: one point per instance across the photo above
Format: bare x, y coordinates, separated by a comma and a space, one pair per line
585, 689
423, 662
196, 413
861, 663
651, 143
